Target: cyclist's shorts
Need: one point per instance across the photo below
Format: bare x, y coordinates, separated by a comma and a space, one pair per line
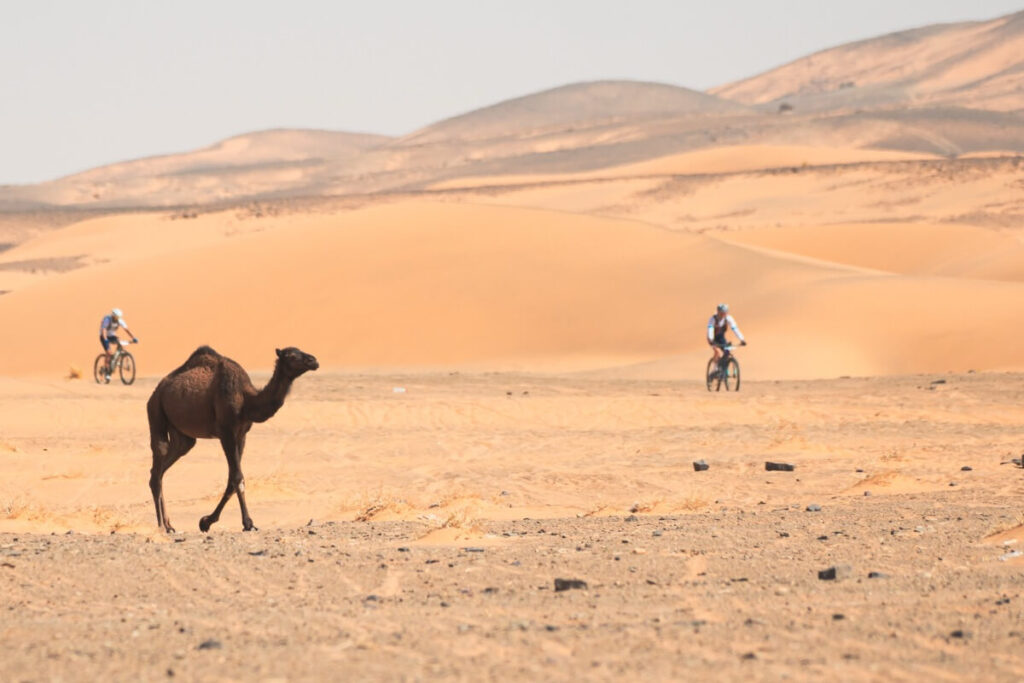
107, 341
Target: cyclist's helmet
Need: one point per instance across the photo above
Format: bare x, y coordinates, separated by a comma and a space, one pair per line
723, 308
117, 313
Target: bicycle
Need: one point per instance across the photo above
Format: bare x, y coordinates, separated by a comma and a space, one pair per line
725, 371
122, 361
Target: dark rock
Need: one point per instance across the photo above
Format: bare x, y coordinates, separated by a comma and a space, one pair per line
631, 518
656, 532
966, 468
959, 633
867, 493
403, 549
749, 655
779, 466
550, 627
473, 550
877, 575
371, 598
700, 466
569, 584
938, 381
840, 571
838, 617
813, 507
210, 645
258, 553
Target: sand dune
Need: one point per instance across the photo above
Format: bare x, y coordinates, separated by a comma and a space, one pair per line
458, 285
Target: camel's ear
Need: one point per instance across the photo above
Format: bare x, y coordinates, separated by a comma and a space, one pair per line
278, 352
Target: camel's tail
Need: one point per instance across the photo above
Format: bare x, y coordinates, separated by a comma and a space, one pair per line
158, 424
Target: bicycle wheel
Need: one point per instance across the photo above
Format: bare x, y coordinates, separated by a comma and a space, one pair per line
732, 375
99, 369
127, 367
709, 377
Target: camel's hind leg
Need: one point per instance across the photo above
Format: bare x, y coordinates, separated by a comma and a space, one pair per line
165, 454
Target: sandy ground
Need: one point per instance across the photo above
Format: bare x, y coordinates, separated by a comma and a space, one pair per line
418, 533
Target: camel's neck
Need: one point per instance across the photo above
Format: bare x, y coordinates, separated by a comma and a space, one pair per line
269, 399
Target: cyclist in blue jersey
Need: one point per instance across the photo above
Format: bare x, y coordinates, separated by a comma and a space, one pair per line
717, 327
108, 333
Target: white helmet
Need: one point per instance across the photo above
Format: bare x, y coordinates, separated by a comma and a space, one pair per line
723, 308
117, 313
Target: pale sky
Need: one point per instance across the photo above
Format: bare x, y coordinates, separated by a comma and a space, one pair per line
83, 84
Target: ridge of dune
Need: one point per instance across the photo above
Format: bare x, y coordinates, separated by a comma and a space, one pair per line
953, 250
975, 64
711, 160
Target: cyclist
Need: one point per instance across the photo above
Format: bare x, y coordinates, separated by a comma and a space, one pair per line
108, 334
716, 330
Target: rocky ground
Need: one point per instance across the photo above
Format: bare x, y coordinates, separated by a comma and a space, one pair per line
722, 593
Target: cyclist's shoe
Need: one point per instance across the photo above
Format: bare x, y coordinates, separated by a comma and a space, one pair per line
106, 377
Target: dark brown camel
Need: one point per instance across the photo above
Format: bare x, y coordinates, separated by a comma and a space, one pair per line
212, 397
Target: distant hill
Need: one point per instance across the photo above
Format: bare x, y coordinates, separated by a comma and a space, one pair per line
575, 107
947, 90
239, 166
979, 65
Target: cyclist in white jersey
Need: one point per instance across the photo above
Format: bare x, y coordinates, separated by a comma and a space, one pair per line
108, 333
716, 330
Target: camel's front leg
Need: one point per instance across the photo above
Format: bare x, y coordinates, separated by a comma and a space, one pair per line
247, 524
228, 442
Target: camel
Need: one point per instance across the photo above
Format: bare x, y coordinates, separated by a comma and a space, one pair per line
211, 397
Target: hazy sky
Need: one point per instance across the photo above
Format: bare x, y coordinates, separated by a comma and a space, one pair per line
84, 84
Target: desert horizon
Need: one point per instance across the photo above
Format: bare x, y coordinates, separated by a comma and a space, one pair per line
507, 461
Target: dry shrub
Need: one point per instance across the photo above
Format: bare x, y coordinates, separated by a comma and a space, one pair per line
692, 503
17, 508
370, 506
74, 372
463, 521
106, 518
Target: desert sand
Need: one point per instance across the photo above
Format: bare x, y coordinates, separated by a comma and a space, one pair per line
419, 533
509, 309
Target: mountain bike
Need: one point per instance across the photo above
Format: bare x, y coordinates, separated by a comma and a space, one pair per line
122, 361
726, 371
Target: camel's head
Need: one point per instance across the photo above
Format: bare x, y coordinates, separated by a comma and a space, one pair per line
295, 362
